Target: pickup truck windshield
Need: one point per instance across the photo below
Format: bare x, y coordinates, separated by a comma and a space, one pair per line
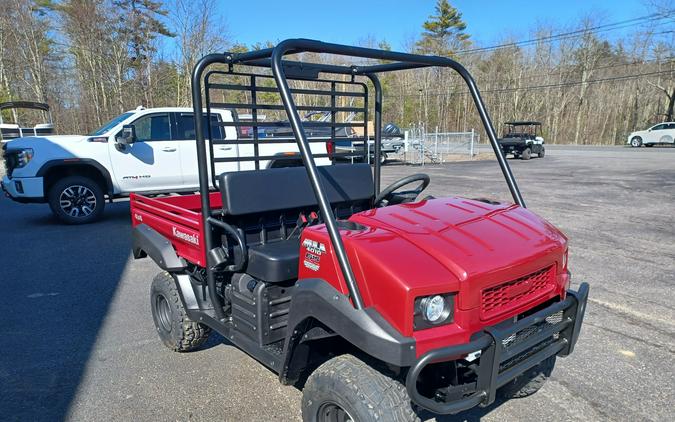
111, 124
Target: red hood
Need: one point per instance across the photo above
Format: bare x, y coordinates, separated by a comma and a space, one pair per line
448, 245
477, 243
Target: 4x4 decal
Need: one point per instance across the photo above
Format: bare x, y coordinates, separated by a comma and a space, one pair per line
314, 249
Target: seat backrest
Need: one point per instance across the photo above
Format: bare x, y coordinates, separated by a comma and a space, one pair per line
260, 191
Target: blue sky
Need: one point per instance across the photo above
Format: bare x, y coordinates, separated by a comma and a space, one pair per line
397, 21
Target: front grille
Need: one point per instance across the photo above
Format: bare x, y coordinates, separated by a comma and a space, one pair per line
501, 298
10, 161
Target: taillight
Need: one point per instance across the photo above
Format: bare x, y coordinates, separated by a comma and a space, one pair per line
330, 149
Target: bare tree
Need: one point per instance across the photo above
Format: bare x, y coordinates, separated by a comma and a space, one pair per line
199, 31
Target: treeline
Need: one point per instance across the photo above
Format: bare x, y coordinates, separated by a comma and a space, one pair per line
92, 59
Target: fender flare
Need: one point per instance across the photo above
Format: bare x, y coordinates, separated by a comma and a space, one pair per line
315, 299
78, 162
147, 242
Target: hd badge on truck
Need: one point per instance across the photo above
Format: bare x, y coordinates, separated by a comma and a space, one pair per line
313, 253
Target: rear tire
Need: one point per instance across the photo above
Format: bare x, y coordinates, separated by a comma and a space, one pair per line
178, 332
526, 154
346, 388
542, 152
529, 382
76, 200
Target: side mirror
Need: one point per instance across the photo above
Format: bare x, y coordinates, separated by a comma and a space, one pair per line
127, 136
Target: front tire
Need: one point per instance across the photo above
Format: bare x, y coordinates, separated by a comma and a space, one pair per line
542, 152
177, 331
526, 154
347, 389
529, 382
76, 200
636, 142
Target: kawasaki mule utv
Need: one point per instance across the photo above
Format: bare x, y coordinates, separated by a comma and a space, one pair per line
373, 302
523, 139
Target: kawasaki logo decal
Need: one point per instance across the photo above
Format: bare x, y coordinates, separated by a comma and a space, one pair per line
190, 238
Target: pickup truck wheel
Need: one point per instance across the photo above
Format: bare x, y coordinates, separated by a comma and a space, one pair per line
529, 382
347, 389
76, 200
526, 154
178, 332
542, 152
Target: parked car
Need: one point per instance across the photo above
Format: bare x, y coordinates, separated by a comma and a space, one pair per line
145, 150
523, 139
373, 302
18, 125
663, 133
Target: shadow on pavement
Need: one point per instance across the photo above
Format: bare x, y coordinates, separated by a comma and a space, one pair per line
57, 283
473, 415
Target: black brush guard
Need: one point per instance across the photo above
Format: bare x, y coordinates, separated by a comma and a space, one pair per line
551, 331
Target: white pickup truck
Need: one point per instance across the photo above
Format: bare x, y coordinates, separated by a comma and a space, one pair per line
146, 150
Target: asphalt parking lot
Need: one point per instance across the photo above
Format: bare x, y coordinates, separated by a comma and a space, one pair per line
78, 342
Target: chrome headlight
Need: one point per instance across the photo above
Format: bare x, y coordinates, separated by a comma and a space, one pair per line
433, 310
23, 157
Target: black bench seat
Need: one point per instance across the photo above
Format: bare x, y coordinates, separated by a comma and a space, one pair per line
251, 199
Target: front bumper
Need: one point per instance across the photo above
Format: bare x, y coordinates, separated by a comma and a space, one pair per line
30, 191
506, 352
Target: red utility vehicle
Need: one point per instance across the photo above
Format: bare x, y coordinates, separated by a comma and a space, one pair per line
375, 303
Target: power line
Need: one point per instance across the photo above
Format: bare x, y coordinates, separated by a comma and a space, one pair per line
532, 87
558, 72
575, 33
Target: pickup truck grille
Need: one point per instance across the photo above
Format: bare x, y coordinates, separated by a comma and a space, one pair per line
501, 298
9, 159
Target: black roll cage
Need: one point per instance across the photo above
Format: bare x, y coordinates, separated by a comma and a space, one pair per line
532, 126
30, 105
272, 58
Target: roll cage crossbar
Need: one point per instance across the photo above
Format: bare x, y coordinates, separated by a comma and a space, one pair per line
282, 70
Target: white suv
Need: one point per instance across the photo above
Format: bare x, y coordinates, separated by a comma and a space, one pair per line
145, 150
663, 133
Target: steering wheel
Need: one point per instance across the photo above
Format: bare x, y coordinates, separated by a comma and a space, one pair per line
389, 196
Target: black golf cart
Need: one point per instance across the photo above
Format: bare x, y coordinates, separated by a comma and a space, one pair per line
522, 139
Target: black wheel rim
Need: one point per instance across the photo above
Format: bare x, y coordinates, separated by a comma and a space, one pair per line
333, 412
163, 312
77, 201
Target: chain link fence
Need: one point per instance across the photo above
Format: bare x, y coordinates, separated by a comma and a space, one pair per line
422, 147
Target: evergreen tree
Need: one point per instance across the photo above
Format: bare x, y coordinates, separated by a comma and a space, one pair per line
444, 32
143, 21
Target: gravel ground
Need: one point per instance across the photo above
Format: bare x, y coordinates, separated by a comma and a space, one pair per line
79, 342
